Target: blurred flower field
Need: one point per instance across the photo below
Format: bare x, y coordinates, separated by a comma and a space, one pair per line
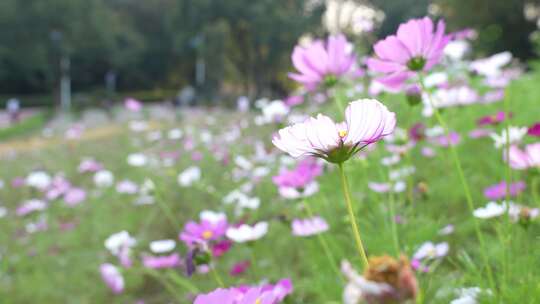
419, 183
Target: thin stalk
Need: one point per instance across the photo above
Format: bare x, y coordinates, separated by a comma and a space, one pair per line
534, 186
395, 237
324, 245
464, 184
352, 218
166, 210
170, 288
216, 276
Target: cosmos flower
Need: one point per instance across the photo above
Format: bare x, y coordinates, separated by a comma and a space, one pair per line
203, 232
498, 191
246, 233
304, 173
115, 242
492, 209
417, 46
112, 277
524, 159
189, 176
492, 119
74, 196
39, 179
534, 130
30, 206
89, 165
103, 178
322, 63
366, 121
159, 262
162, 246
309, 226
137, 160
239, 268
515, 135
429, 250
132, 104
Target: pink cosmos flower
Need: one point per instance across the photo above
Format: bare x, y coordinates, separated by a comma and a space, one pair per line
534, 130
524, 159
294, 100
31, 206
417, 46
305, 172
366, 121
444, 141
498, 191
320, 63
494, 119
132, 104
220, 295
309, 226
89, 165
112, 277
74, 196
203, 232
158, 262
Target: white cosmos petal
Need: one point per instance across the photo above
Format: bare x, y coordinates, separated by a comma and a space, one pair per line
367, 121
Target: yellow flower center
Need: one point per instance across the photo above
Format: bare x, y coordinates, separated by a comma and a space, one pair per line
342, 133
258, 301
207, 235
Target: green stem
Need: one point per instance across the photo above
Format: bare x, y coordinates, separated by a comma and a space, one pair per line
216, 276
182, 282
395, 237
324, 245
534, 186
464, 183
352, 218
170, 288
338, 98
165, 209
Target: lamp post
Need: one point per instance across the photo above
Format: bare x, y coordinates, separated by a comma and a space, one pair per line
65, 65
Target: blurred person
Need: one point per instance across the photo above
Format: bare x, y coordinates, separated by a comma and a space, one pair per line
13, 107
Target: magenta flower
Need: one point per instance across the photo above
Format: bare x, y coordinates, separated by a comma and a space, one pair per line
158, 262
417, 46
525, 159
203, 232
320, 63
494, 119
221, 247
366, 121
309, 226
498, 191
112, 277
534, 130
239, 268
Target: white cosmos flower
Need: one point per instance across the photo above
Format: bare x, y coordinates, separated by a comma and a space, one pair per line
212, 217
429, 250
515, 135
246, 233
115, 242
175, 134
294, 193
491, 66
366, 121
137, 160
103, 178
492, 209
189, 176
162, 246
39, 180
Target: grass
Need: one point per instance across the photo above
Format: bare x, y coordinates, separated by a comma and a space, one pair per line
57, 266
